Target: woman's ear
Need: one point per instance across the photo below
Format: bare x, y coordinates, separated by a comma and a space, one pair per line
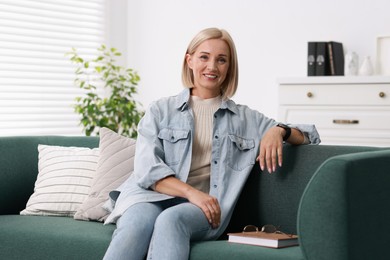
189, 60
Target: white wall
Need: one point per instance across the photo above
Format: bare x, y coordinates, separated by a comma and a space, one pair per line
271, 38
117, 21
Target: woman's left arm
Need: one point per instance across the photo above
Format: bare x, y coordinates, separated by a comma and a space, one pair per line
296, 137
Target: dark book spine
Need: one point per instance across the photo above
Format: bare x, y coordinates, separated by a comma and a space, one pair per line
338, 58
322, 59
311, 58
331, 59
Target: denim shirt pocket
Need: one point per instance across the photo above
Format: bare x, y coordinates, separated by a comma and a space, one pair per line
241, 153
174, 142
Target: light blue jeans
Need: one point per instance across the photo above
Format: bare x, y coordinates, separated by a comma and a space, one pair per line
161, 229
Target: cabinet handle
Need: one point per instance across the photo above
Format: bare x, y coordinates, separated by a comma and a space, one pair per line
382, 94
309, 94
345, 122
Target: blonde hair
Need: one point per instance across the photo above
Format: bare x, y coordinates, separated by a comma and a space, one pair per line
229, 86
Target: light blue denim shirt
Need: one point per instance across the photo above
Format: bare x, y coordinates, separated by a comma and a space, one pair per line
164, 148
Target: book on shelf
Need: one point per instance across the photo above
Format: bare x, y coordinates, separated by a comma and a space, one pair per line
273, 240
336, 58
322, 59
311, 58
328, 59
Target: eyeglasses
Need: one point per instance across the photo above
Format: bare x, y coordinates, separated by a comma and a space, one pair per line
265, 229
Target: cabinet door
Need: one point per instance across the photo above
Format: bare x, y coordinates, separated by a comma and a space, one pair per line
336, 94
349, 125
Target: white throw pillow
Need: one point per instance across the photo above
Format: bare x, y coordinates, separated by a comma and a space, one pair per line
64, 180
116, 163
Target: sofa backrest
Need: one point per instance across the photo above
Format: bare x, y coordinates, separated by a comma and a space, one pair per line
19, 166
266, 198
274, 198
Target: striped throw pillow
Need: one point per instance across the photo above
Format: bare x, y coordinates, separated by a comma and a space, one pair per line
64, 180
116, 163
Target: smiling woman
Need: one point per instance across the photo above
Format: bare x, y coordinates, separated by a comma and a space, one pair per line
193, 155
36, 87
211, 57
210, 64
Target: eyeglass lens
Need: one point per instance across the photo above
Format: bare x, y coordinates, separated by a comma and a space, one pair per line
250, 228
269, 229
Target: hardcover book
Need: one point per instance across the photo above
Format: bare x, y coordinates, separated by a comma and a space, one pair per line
273, 240
322, 59
325, 59
311, 58
336, 58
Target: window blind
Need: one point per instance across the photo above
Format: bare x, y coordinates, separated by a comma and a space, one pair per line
37, 93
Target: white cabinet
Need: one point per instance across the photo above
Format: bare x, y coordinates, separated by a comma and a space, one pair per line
345, 110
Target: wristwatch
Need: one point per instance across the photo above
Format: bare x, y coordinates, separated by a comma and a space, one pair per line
288, 130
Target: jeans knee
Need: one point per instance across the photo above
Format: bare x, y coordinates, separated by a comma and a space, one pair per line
136, 223
170, 221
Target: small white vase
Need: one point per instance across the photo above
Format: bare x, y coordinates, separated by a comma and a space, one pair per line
351, 64
366, 69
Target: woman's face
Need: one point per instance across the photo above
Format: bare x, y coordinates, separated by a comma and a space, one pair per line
209, 64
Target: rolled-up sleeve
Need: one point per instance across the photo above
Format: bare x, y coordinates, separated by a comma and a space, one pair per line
310, 131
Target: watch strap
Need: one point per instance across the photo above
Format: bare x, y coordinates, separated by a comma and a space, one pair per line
287, 129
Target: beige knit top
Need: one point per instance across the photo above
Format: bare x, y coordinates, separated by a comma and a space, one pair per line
203, 110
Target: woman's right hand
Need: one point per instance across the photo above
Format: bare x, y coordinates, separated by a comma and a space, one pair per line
208, 204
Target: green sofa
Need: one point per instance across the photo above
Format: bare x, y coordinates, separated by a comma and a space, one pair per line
335, 197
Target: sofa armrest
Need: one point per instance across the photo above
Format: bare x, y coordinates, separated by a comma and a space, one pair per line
344, 212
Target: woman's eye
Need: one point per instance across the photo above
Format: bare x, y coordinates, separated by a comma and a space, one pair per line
203, 57
222, 60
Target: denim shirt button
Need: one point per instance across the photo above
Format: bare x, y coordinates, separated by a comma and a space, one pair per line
215, 185
215, 162
216, 137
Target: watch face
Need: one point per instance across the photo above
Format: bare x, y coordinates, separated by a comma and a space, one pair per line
287, 129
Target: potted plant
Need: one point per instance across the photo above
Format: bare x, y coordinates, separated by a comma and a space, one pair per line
114, 108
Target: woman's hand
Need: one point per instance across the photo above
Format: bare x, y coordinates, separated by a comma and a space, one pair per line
208, 204
271, 149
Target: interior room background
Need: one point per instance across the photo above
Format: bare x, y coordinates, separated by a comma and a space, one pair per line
271, 39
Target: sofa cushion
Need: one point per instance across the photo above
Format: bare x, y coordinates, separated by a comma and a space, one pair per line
115, 164
64, 179
216, 250
44, 237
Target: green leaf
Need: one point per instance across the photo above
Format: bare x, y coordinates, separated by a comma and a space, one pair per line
116, 108
100, 58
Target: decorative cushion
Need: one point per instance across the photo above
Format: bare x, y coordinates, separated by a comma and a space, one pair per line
116, 163
63, 181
